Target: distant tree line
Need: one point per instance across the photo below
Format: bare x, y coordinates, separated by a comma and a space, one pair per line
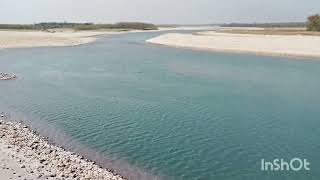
266, 25
16, 26
81, 26
54, 25
313, 23
121, 25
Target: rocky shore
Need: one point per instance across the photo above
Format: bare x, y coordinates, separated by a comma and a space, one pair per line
26, 155
5, 76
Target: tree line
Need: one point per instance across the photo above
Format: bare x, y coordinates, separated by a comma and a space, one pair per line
121, 25
81, 26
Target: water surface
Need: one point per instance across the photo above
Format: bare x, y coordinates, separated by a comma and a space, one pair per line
175, 113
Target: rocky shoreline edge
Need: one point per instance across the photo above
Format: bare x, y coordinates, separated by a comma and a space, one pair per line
39, 159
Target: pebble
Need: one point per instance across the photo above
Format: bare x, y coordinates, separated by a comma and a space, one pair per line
52, 162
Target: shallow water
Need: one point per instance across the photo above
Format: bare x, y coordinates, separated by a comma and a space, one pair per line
175, 113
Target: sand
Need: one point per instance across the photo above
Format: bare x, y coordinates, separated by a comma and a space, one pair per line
275, 45
61, 37
10, 165
25, 39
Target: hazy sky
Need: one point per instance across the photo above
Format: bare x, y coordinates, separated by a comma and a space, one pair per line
157, 11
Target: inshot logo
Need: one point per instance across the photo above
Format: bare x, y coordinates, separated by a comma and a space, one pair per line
295, 164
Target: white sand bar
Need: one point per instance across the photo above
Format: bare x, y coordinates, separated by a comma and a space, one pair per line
279, 45
23, 39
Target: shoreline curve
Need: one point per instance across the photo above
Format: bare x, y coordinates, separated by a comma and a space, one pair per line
264, 45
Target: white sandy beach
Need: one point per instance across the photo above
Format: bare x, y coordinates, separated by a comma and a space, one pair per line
278, 45
62, 37
23, 39
11, 164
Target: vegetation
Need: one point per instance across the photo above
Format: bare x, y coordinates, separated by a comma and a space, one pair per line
16, 26
313, 23
54, 25
81, 26
122, 25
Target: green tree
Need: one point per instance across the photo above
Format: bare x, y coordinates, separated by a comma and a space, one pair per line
313, 23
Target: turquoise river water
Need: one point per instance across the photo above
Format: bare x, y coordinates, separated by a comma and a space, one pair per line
168, 113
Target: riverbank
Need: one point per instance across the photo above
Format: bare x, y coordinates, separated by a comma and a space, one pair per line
274, 45
56, 38
24, 39
26, 155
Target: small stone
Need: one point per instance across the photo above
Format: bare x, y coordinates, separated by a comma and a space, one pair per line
52, 175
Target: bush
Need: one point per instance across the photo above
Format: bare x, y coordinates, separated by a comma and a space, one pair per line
314, 23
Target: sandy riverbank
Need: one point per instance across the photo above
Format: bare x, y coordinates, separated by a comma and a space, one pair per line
275, 45
61, 37
22, 39
26, 155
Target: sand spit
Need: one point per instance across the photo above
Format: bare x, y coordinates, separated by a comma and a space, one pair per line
56, 38
25, 39
275, 45
25, 155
